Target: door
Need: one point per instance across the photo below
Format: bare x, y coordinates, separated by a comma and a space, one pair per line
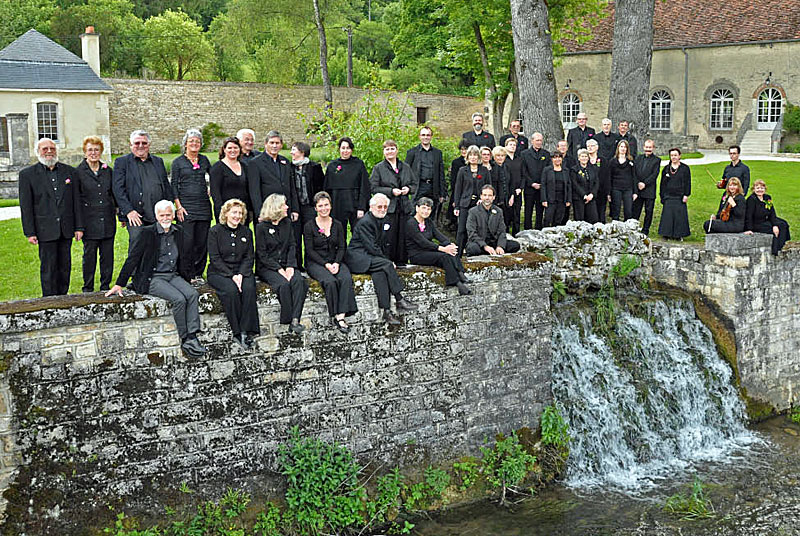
770, 104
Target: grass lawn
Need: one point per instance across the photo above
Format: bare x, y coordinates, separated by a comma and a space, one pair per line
19, 269
684, 156
9, 203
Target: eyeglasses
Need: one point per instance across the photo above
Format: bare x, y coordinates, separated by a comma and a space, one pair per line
140, 143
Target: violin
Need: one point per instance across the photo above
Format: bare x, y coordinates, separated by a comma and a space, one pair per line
725, 213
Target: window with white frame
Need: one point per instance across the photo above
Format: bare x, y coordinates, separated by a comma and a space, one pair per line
570, 108
660, 110
721, 110
47, 120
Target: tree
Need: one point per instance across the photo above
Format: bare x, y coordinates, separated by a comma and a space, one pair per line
19, 16
323, 57
201, 11
631, 62
229, 52
176, 45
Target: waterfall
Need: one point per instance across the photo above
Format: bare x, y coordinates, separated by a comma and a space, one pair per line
647, 402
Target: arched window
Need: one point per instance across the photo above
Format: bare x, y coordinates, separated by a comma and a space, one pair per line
660, 110
721, 110
770, 104
570, 108
47, 120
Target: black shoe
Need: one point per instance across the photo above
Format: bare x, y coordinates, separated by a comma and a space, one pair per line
249, 341
193, 348
405, 305
390, 319
195, 344
463, 289
241, 340
463, 277
341, 325
296, 327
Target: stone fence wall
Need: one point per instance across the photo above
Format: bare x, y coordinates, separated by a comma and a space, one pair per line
167, 108
98, 406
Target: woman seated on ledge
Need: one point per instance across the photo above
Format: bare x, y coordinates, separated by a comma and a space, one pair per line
760, 217
730, 215
422, 250
230, 270
325, 249
277, 261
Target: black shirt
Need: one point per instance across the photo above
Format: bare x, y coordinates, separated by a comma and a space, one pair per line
323, 249
230, 251
151, 188
189, 183
167, 251
741, 172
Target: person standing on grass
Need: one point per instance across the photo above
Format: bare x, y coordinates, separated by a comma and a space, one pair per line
647, 167
51, 215
674, 191
737, 169
247, 141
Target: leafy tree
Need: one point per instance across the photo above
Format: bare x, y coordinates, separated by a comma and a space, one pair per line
19, 16
176, 46
201, 11
229, 50
372, 41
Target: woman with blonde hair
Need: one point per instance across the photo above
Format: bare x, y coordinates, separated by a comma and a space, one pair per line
730, 214
760, 217
277, 262
230, 270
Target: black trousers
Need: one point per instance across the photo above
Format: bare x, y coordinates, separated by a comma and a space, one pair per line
307, 213
601, 201
513, 213
339, 293
451, 264
777, 241
349, 216
55, 265
91, 247
554, 213
396, 237
291, 294
134, 232
583, 211
461, 233
621, 199
385, 280
195, 246
512, 246
183, 299
649, 206
240, 308
532, 202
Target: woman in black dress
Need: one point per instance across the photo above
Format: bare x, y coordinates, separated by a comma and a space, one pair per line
189, 180
308, 180
99, 218
731, 212
584, 188
494, 161
420, 234
556, 191
230, 270
623, 182
347, 181
600, 165
228, 178
277, 262
467, 191
760, 217
325, 249
674, 191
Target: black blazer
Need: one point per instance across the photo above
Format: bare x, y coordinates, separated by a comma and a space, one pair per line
97, 201
275, 247
225, 184
128, 184
230, 251
420, 241
486, 226
499, 179
47, 213
366, 242
264, 180
585, 181
577, 138
384, 179
455, 165
321, 249
549, 185
647, 170
413, 160
468, 189
534, 163
315, 180
484, 139
738, 213
757, 216
142, 259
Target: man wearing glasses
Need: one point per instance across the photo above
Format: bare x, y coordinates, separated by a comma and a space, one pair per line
140, 181
426, 162
737, 169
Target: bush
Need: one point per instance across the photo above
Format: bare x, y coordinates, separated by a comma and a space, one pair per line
175, 148
506, 465
791, 148
211, 133
695, 505
554, 429
791, 120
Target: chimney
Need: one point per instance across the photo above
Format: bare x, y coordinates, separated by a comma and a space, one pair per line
90, 49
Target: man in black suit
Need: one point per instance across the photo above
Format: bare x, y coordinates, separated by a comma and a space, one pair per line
648, 168
139, 182
486, 228
366, 255
247, 139
270, 173
158, 270
578, 136
426, 162
478, 136
606, 141
51, 215
514, 127
534, 160
623, 133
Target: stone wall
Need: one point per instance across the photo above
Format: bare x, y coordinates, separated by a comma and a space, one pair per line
167, 108
99, 407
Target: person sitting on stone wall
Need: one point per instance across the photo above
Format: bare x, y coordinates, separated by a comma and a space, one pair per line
486, 230
157, 269
732, 207
760, 217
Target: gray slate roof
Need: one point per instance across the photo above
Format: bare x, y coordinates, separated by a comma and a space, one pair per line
34, 61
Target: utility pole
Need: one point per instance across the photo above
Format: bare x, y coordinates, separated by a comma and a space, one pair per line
349, 31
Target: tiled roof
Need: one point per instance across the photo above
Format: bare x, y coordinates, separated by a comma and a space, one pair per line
687, 23
35, 62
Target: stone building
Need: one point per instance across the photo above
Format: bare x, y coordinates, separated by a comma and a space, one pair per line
47, 91
722, 74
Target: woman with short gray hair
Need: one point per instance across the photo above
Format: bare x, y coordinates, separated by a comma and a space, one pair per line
193, 206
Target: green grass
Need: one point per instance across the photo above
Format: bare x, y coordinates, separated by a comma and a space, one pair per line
684, 156
9, 203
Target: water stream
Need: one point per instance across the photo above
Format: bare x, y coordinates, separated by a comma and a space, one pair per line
649, 406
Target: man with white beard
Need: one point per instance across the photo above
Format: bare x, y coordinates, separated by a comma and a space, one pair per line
51, 215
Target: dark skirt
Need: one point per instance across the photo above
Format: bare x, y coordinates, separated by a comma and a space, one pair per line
674, 219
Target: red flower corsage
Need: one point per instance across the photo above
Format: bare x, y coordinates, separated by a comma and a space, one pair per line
478, 177
338, 168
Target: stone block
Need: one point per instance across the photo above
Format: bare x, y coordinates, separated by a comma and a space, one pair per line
736, 244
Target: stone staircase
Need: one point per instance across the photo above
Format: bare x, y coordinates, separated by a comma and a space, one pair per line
757, 142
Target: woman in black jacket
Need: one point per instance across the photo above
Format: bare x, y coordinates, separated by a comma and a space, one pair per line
230, 270
585, 184
760, 217
228, 178
193, 207
325, 250
277, 262
467, 192
347, 181
556, 191
308, 180
99, 214
420, 234
731, 212
623, 182
674, 191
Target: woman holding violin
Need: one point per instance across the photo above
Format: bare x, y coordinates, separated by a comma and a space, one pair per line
731, 212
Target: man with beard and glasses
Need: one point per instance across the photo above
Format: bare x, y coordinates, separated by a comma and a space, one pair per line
51, 215
478, 136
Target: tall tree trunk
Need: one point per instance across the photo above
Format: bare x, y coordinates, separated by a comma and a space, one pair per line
323, 58
535, 72
631, 62
491, 87
513, 113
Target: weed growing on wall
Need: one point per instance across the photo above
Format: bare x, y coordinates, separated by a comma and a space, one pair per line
506, 465
554, 430
605, 311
